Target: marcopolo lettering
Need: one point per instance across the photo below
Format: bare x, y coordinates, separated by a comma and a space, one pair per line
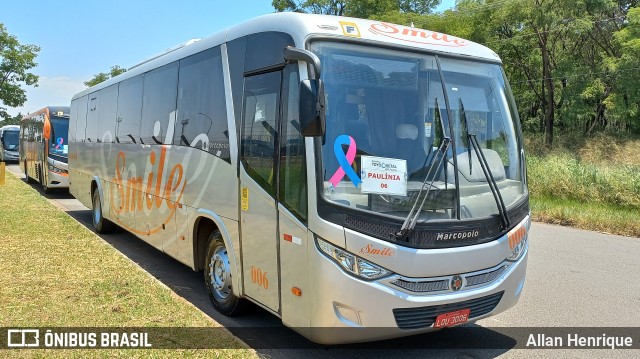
457, 235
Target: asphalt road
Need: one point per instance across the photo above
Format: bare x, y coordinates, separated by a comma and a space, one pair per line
575, 278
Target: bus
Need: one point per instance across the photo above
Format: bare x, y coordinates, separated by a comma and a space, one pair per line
9, 143
44, 147
337, 172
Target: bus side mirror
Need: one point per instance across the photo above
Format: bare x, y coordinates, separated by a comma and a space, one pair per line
312, 108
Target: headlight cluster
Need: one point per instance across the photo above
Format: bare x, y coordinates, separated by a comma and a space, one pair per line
352, 263
517, 238
58, 170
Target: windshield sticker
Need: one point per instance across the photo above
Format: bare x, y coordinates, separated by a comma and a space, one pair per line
345, 161
427, 129
384, 175
411, 34
350, 29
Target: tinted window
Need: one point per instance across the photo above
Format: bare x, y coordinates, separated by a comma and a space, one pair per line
91, 132
293, 172
107, 105
158, 104
58, 144
261, 101
129, 110
80, 118
202, 116
236, 52
266, 49
10, 139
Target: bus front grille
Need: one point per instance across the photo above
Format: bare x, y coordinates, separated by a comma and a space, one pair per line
423, 317
485, 277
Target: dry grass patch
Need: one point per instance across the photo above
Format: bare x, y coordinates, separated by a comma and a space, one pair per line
56, 273
591, 183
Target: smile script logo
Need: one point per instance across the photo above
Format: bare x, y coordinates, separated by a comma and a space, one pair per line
414, 35
376, 252
163, 187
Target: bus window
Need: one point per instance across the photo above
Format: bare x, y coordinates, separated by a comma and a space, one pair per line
262, 94
81, 122
58, 143
202, 120
129, 110
158, 103
91, 132
293, 173
107, 113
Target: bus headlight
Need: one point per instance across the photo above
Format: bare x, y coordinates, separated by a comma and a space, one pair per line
352, 263
517, 238
55, 169
518, 250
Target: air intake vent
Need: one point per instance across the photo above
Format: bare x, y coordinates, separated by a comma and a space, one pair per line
423, 287
485, 277
424, 317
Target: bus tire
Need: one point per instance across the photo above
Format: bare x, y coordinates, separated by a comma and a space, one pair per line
101, 225
217, 277
26, 173
46, 189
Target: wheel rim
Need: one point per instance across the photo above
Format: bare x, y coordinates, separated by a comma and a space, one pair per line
97, 209
219, 273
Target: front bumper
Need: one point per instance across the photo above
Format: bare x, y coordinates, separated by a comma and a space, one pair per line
348, 309
58, 180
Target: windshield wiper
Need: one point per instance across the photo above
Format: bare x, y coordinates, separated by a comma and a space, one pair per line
412, 218
473, 142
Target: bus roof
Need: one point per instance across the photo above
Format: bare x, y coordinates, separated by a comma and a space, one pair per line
302, 27
10, 128
59, 111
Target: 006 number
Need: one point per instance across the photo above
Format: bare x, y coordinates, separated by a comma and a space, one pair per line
260, 278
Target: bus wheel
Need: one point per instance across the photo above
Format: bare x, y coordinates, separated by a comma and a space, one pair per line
100, 224
217, 277
26, 173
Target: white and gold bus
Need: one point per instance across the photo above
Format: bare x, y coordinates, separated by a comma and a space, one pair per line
44, 147
338, 172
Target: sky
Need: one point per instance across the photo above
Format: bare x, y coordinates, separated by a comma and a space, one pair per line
79, 39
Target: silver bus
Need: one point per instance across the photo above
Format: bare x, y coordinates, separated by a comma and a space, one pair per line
337, 172
9, 142
44, 147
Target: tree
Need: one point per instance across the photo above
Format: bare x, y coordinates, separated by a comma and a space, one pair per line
625, 102
103, 76
15, 120
365, 9
15, 62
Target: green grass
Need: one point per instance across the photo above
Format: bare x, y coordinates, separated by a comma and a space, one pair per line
56, 273
590, 216
593, 185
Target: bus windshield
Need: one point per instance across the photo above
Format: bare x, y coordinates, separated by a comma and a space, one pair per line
58, 145
10, 140
391, 133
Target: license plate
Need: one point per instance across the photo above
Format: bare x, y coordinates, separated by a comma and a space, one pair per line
452, 318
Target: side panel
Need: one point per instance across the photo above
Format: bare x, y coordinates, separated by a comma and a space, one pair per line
294, 272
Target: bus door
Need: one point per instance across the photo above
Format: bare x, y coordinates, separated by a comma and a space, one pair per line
258, 212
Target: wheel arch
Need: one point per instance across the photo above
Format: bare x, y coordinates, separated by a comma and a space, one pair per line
205, 223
